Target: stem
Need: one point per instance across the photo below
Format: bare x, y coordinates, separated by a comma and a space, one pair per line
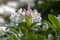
28, 20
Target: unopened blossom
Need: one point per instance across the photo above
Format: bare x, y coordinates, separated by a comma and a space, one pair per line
28, 11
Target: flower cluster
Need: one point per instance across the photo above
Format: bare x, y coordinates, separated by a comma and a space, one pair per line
22, 13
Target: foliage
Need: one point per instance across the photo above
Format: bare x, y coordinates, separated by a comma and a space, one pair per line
36, 32
54, 24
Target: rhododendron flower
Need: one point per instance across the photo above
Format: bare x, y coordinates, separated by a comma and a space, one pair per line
24, 15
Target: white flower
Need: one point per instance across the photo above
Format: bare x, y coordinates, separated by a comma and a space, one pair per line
14, 17
2, 30
1, 10
18, 17
20, 11
6, 10
36, 17
12, 4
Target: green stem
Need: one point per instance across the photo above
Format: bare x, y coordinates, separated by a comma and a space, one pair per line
28, 20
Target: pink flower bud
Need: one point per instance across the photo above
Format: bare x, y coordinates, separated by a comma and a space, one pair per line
29, 11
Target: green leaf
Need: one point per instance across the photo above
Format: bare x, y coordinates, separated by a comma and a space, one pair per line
54, 20
59, 23
33, 24
23, 24
13, 30
23, 27
51, 26
13, 37
39, 36
20, 31
29, 36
